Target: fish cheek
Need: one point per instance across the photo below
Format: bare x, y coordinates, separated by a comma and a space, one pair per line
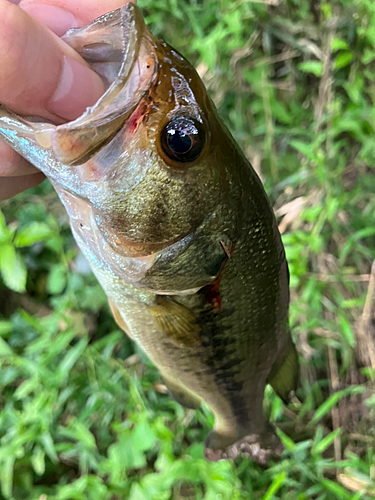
160, 209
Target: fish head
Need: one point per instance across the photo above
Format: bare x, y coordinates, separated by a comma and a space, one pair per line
162, 173
150, 164
165, 179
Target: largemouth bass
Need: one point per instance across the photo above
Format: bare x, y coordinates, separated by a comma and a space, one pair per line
176, 226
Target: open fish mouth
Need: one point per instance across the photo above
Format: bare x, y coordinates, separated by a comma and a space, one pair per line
120, 48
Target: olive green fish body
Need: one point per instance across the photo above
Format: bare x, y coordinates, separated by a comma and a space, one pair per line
233, 332
175, 224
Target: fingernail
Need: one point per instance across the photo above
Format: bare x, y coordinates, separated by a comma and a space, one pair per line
79, 87
56, 19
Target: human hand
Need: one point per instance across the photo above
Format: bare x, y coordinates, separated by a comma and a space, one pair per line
40, 74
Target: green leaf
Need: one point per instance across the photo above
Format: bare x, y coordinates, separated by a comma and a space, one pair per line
6, 476
286, 440
25, 388
368, 56
138, 493
338, 44
78, 431
71, 357
143, 436
57, 279
12, 268
49, 446
305, 149
5, 328
5, 350
326, 442
275, 486
347, 331
325, 407
336, 489
314, 67
326, 10
38, 461
32, 233
343, 60
5, 233
123, 456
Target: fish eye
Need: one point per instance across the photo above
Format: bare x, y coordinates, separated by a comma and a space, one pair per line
182, 139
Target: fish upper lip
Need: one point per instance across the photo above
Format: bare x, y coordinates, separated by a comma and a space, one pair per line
114, 50
119, 44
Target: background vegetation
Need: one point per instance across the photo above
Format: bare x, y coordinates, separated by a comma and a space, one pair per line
83, 414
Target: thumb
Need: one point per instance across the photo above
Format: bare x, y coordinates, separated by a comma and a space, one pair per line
40, 74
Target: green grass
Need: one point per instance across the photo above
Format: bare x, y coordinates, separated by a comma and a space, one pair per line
83, 414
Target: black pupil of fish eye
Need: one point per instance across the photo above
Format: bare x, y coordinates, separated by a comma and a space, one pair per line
179, 142
183, 139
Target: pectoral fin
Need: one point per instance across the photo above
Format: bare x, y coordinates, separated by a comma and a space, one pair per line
118, 318
284, 377
176, 321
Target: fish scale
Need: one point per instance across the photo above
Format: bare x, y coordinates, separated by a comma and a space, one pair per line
177, 228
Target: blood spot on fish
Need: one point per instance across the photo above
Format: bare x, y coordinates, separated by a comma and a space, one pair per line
213, 294
212, 291
136, 118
